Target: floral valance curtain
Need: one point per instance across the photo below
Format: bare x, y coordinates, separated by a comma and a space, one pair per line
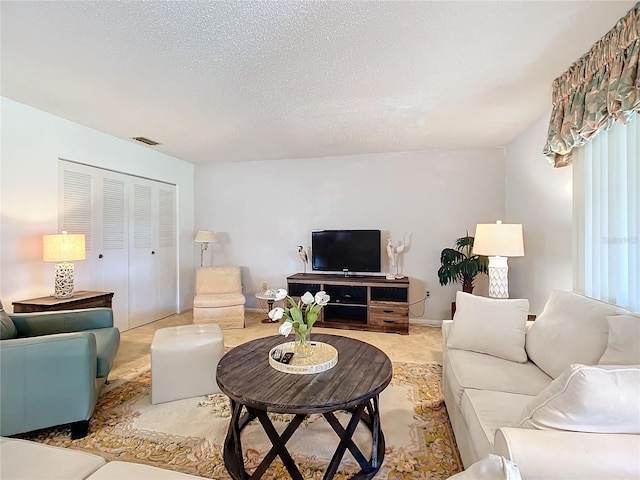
603, 86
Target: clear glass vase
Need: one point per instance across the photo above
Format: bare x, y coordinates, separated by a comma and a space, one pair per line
302, 348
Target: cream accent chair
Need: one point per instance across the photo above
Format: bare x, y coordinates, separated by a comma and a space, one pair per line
219, 297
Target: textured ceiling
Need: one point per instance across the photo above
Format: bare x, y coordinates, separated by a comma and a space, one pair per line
235, 81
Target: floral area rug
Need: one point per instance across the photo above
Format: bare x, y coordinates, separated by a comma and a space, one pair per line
187, 435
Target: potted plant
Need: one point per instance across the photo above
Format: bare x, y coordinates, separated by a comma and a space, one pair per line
300, 316
460, 265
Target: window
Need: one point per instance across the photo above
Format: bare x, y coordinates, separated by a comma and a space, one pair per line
606, 216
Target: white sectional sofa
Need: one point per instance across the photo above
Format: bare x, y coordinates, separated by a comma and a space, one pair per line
559, 397
25, 460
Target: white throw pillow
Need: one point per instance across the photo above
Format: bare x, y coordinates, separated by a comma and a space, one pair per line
572, 329
623, 347
489, 325
595, 399
491, 467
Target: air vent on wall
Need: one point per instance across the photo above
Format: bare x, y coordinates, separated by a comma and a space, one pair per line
146, 140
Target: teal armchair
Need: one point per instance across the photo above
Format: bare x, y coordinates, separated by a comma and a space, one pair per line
53, 366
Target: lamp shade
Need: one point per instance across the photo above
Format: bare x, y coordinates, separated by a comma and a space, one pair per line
205, 236
63, 247
498, 239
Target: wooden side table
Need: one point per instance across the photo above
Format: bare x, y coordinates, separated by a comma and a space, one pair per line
80, 299
270, 299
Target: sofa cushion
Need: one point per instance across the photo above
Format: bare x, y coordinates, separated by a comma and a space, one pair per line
623, 344
107, 343
212, 300
136, 471
7, 328
30, 460
226, 279
491, 467
492, 326
471, 370
596, 399
572, 329
485, 411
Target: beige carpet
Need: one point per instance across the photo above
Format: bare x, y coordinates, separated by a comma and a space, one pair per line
187, 435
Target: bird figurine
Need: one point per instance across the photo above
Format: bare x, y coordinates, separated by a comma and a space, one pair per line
393, 252
303, 256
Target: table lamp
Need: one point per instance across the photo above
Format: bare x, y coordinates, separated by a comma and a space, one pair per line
63, 248
204, 237
498, 241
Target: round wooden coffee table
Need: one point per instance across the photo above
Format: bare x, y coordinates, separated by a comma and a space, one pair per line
353, 385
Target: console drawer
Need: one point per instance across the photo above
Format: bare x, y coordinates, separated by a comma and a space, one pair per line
388, 315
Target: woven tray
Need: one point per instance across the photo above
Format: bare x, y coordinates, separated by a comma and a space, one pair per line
323, 358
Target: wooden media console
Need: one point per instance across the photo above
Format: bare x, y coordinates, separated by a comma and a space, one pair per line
358, 302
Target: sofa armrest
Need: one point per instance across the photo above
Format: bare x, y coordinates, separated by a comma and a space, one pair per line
62, 321
545, 454
446, 328
26, 459
48, 380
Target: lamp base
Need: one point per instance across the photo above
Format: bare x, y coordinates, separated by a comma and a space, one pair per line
203, 246
64, 280
498, 277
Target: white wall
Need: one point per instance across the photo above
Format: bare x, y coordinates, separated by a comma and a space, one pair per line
32, 142
262, 210
539, 197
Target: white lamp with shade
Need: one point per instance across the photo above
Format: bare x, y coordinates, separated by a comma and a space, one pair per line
498, 241
63, 248
204, 238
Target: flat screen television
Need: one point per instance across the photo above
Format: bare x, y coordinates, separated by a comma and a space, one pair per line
346, 250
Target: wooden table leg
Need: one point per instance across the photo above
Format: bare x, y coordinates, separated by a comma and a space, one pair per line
367, 412
233, 458
371, 418
279, 442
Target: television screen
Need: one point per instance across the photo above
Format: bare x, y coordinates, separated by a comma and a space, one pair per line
339, 250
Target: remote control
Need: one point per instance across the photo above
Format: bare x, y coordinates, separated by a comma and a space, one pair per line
277, 354
286, 358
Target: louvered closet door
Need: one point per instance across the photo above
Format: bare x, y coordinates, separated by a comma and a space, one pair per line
152, 266
94, 202
112, 252
130, 230
166, 256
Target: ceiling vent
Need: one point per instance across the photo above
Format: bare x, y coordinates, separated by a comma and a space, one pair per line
146, 140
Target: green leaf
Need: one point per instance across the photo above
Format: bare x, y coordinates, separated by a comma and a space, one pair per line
448, 274
450, 256
464, 242
315, 309
311, 318
296, 315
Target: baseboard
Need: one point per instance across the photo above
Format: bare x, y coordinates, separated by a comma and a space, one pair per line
254, 310
412, 321
424, 321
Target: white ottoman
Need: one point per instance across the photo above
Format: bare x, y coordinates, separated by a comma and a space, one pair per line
184, 360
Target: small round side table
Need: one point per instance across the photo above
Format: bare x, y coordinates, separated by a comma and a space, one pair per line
270, 299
